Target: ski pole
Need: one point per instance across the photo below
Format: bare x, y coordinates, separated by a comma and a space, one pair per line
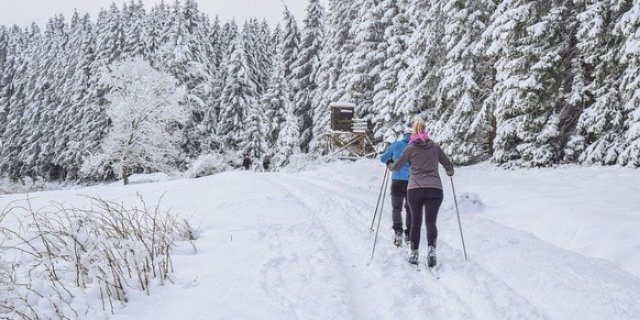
386, 182
384, 179
458, 214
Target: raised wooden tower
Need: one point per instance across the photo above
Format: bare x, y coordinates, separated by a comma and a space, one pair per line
348, 136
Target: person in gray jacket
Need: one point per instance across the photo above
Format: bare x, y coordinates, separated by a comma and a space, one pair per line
424, 191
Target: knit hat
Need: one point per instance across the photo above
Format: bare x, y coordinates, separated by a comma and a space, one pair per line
408, 127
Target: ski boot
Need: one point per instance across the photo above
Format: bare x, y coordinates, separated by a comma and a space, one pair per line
397, 240
432, 260
413, 258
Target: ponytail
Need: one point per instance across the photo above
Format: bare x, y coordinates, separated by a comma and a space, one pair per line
418, 125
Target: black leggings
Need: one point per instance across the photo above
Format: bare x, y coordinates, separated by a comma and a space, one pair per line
427, 200
398, 199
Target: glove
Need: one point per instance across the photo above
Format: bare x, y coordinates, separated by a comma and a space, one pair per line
390, 161
450, 173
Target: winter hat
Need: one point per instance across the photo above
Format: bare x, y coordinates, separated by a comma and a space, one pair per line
408, 127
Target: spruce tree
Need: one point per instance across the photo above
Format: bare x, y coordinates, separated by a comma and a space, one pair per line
238, 95
135, 32
418, 82
337, 46
462, 87
276, 101
628, 27
364, 64
597, 138
305, 68
397, 31
290, 42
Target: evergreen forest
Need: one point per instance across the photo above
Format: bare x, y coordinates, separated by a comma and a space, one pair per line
521, 83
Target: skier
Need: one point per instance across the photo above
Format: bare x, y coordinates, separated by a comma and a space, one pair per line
424, 191
246, 163
266, 161
399, 182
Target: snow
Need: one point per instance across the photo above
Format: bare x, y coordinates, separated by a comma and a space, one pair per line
555, 243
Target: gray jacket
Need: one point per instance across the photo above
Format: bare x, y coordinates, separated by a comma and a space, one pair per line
423, 158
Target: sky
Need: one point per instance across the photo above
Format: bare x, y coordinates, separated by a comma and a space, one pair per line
544, 243
24, 12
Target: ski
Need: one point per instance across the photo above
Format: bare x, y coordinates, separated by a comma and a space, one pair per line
434, 272
416, 266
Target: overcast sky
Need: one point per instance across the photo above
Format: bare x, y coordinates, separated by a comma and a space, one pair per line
23, 12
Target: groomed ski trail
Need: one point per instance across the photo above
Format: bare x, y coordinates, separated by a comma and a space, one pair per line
511, 274
389, 275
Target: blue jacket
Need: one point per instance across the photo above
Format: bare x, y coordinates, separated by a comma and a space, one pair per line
393, 153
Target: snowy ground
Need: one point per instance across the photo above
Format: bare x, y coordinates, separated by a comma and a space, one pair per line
543, 244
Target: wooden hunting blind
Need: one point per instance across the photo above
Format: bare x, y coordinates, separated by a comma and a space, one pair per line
348, 136
342, 116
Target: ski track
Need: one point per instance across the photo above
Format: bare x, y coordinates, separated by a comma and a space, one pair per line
495, 300
517, 276
427, 297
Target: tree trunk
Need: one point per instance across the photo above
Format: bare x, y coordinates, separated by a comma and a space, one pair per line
125, 175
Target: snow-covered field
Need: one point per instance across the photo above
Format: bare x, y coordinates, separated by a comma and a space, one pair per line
556, 243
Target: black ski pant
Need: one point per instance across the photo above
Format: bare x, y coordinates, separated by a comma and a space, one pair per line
427, 200
398, 200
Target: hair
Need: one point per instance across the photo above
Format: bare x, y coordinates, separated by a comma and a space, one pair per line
418, 125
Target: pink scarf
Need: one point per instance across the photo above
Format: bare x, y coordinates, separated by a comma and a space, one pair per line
422, 136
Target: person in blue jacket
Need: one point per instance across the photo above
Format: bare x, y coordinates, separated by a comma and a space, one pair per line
399, 182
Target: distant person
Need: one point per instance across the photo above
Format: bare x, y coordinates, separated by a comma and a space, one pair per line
246, 163
424, 191
399, 183
266, 162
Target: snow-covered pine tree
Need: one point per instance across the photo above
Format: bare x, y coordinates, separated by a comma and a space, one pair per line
276, 102
283, 135
109, 39
110, 35
238, 95
463, 84
288, 143
597, 138
257, 48
145, 114
338, 44
4, 75
64, 126
425, 54
255, 127
290, 42
396, 36
135, 32
366, 61
182, 55
276, 40
15, 92
215, 70
228, 36
257, 56
628, 27
89, 122
40, 98
13, 47
305, 68
3, 45
249, 39
527, 43
155, 24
